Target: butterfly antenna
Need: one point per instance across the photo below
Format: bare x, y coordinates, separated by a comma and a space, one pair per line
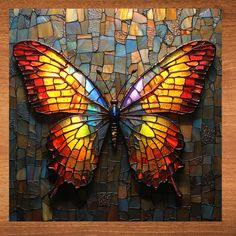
100, 74
130, 76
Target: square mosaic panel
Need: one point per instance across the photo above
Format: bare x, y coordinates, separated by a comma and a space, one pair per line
116, 42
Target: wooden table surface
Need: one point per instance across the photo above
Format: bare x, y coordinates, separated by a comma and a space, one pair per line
228, 224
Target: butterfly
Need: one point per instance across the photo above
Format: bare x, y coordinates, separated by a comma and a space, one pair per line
154, 142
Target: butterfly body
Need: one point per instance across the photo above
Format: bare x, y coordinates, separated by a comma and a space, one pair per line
114, 116
153, 141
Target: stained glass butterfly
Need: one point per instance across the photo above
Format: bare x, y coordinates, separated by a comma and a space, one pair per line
173, 85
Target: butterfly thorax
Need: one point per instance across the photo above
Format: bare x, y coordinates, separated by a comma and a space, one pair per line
114, 119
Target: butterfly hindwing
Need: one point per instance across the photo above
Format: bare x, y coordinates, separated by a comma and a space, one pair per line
54, 84
75, 143
173, 85
154, 143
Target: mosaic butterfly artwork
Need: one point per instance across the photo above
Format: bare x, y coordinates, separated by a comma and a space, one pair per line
154, 142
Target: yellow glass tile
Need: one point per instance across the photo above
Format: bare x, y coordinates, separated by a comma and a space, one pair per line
150, 118
69, 135
144, 140
180, 87
178, 67
167, 86
79, 144
162, 128
152, 105
164, 74
135, 29
147, 131
51, 100
86, 140
165, 99
158, 143
48, 81
145, 106
173, 56
81, 90
151, 144
70, 79
161, 92
58, 81
82, 132
44, 59
163, 121
65, 122
47, 74
63, 106
61, 86
171, 64
67, 92
177, 100
49, 68
53, 93
175, 93
180, 74
71, 15
56, 64
179, 81
152, 99
72, 144
184, 58
64, 99
160, 134
76, 119
56, 57
169, 81
88, 154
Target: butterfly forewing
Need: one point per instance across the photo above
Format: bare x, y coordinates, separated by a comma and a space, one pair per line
53, 84
173, 85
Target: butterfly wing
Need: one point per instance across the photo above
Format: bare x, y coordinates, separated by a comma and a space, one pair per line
75, 143
54, 84
154, 143
173, 85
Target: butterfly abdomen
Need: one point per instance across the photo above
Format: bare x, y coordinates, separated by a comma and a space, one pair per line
114, 128
114, 118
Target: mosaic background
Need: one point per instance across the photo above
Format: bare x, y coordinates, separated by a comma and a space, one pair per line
115, 42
